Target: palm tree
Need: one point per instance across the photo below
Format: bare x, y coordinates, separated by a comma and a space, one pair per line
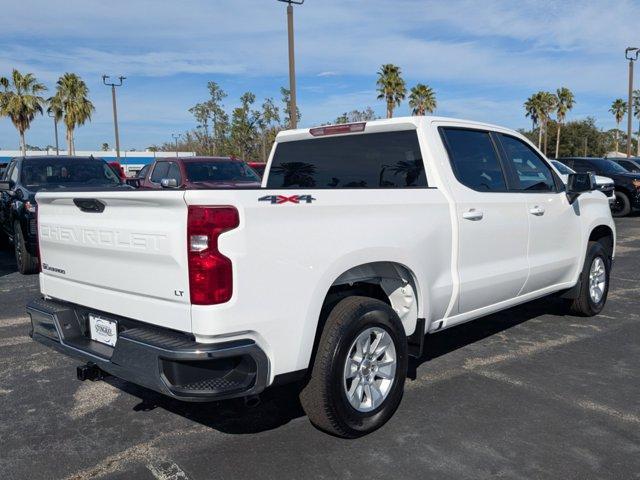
20, 101
636, 113
618, 109
531, 110
72, 95
539, 107
564, 104
422, 99
391, 87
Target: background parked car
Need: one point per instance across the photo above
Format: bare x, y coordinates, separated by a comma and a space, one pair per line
631, 164
27, 175
258, 167
604, 184
627, 184
199, 172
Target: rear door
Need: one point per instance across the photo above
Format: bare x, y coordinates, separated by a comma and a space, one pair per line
492, 222
554, 229
120, 252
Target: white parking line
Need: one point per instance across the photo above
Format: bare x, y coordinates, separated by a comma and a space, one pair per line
167, 470
10, 322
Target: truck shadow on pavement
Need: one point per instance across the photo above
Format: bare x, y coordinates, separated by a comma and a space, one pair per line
7, 259
279, 405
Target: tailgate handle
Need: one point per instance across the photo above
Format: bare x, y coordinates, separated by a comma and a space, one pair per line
89, 205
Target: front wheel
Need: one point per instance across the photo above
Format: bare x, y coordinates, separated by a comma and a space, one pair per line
622, 206
594, 282
358, 375
27, 263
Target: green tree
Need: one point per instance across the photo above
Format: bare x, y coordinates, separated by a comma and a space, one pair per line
531, 111
422, 99
72, 94
244, 123
391, 87
285, 93
269, 124
619, 110
211, 114
565, 102
356, 116
104, 147
20, 100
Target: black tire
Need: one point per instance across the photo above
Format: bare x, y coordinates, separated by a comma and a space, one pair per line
324, 398
27, 263
584, 305
622, 205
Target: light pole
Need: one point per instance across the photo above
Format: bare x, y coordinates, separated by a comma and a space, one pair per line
631, 54
55, 128
293, 107
113, 86
176, 137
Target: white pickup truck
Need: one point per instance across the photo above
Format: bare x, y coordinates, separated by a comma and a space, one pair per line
362, 239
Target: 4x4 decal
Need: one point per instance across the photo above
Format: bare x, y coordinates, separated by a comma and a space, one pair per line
280, 199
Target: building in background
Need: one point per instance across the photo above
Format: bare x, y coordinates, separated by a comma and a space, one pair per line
132, 162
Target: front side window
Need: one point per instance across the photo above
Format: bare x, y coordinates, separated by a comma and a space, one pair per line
174, 172
159, 172
370, 160
532, 173
7, 173
474, 159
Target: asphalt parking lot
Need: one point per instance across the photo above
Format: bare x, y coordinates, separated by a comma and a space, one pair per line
527, 393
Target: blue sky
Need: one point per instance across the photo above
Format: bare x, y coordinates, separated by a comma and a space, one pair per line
482, 58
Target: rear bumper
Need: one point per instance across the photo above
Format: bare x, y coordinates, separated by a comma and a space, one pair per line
169, 362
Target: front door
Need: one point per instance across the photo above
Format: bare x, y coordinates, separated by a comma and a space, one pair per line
554, 228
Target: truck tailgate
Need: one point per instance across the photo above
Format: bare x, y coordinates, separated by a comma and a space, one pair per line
119, 252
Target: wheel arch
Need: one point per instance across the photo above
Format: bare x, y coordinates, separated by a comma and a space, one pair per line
389, 281
604, 235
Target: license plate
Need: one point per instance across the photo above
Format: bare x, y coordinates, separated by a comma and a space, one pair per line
103, 330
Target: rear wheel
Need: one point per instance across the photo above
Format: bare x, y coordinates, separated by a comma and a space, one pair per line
358, 375
594, 282
27, 263
622, 206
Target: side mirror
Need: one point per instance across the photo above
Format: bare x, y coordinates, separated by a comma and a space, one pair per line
578, 183
168, 183
6, 186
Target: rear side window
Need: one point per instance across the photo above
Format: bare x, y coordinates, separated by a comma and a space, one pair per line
532, 173
474, 159
159, 172
371, 160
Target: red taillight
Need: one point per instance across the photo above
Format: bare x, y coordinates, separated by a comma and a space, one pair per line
210, 272
338, 129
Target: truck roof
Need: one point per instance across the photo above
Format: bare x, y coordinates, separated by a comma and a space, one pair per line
387, 125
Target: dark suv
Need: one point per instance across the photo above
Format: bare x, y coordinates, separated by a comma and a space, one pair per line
631, 164
23, 177
627, 184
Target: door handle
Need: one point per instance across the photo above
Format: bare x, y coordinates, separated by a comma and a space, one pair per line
537, 211
473, 214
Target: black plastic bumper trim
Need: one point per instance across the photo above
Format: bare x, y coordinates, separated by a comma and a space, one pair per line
143, 352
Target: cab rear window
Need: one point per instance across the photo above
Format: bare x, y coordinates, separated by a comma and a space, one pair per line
372, 160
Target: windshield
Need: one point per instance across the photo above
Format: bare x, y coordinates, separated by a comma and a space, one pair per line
562, 168
608, 166
226, 171
67, 172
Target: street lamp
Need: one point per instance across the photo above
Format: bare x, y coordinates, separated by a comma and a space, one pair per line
631, 54
293, 109
55, 127
113, 86
176, 137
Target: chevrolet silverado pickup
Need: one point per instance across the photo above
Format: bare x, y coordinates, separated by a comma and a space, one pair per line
362, 239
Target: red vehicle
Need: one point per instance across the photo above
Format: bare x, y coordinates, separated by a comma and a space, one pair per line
119, 170
258, 167
198, 172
